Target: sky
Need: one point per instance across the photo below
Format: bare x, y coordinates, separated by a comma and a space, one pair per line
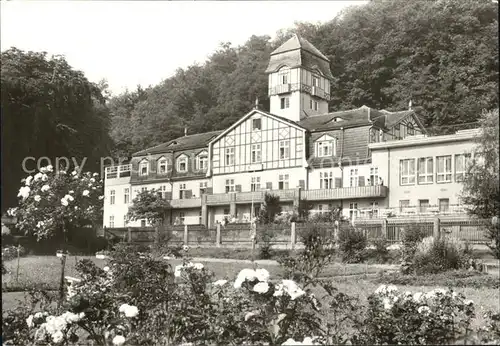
132, 43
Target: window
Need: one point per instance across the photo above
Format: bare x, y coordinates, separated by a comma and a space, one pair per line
182, 217
353, 210
182, 164
374, 211
374, 179
410, 129
256, 124
423, 204
285, 102
284, 149
397, 132
230, 185
320, 209
143, 223
202, 161
111, 221
374, 135
444, 205
163, 191
256, 153
313, 105
203, 187
283, 182
325, 148
326, 180
229, 156
255, 184
315, 81
143, 168
443, 169
407, 171
111, 172
226, 212
404, 203
162, 166
353, 177
283, 75
425, 170
144, 189
182, 191
112, 197
126, 195
462, 163
200, 218
125, 220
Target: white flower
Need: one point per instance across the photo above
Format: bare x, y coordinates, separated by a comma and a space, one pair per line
118, 340
85, 193
101, 197
38, 176
95, 174
38, 198
418, 296
129, 310
185, 248
261, 287
291, 342
198, 266
44, 177
29, 321
24, 192
71, 198
262, 274
49, 168
74, 173
40, 224
92, 180
57, 337
106, 268
220, 282
387, 303
423, 310
12, 211
45, 188
249, 315
243, 275
290, 287
64, 201
468, 302
28, 180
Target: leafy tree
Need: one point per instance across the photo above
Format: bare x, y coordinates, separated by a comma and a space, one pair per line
54, 203
151, 206
480, 189
48, 110
269, 209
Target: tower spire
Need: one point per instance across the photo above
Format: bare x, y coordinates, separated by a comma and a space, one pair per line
409, 105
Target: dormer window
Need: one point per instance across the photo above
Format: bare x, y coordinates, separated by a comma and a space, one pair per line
182, 164
202, 161
283, 74
144, 167
326, 146
162, 166
315, 81
256, 124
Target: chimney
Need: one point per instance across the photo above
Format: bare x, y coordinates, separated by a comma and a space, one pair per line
409, 105
185, 131
256, 103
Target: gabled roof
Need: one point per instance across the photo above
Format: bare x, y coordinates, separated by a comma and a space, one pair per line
252, 112
198, 140
298, 52
298, 42
350, 118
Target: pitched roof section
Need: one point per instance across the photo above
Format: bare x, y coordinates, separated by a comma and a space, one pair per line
350, 118
298, 52
182, 143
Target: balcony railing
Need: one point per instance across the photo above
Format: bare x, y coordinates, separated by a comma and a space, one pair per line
219, 198
285, 88
256, 196
186, 203
453, 209
247, 197
345, 192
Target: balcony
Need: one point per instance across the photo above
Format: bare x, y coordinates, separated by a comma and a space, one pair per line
219, 199
186, 203
249, 196
283, 88
345, 193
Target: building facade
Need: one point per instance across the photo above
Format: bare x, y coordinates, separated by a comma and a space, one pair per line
350, 159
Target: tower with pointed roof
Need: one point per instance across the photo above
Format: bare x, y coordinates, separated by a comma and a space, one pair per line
299, 80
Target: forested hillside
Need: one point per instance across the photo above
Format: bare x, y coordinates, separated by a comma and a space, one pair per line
443, 55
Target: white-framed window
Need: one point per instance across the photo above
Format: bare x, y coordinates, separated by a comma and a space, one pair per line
202, 161
112, 197
313, 104
284, 73
375, 211
325, 148
284, 102
256, 153
162, 166
403, 204
163, 191
374, 178
353, 210
425, 170
230, 187
353, 177
326, 180
182, 191
407, 171
284, 147
443, 169
315, 81
462, 162
230, 156
182, 163
143, 168
126, 195
256, 124
444, 205
255, 184
423, 204
283, 183
111, 221
182, 217
111, 172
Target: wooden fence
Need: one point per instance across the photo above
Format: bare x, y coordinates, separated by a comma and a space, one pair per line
286, 235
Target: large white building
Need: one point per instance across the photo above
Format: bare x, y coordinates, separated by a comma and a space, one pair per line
368, 162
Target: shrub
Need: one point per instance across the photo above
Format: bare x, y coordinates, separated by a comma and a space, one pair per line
10, 252
352, 244
412, 235
379, 252
264, 240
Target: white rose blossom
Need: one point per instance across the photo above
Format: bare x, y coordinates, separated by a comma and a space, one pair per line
261, 287
24, 192
129, 310
28, 180
118, 340
220, 282
45, 188
85, 193
37, 198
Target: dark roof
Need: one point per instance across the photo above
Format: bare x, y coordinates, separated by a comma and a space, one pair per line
298, 52
350, 118
186, 142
